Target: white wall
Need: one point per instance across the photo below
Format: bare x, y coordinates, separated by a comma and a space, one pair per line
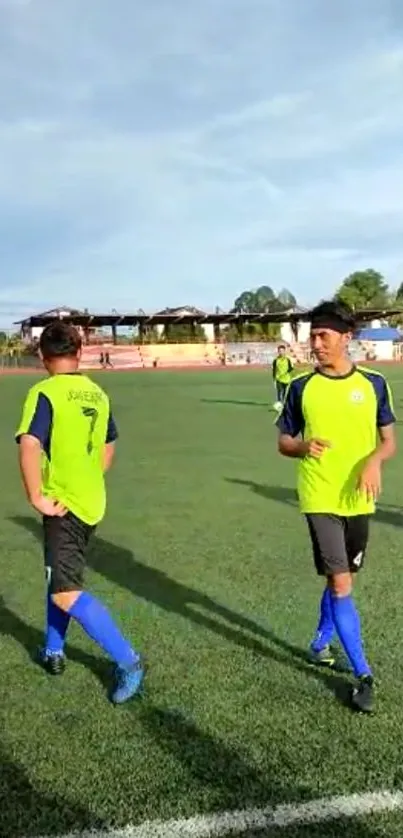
303, 332
383, 350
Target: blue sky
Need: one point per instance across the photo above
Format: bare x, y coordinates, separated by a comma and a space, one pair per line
160, 152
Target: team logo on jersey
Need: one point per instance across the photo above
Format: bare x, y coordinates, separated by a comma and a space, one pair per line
357, 396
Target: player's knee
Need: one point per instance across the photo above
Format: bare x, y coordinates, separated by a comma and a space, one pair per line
341, 584
65, 599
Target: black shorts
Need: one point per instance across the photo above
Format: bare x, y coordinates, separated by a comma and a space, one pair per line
339, 543
65, 544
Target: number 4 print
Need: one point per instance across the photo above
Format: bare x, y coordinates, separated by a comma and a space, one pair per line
92, 414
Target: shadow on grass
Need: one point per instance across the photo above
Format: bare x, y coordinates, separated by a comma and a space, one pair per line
230, 783
28, 811
281, 494
241, 402
30, 638
121, 568
385, 513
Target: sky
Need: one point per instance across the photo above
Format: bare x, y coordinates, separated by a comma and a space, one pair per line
165, 152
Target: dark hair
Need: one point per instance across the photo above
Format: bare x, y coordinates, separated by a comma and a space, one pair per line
334, 310
281, 346
60, 340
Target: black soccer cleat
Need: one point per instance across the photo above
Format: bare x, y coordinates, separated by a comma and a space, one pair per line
54, 664
362, 697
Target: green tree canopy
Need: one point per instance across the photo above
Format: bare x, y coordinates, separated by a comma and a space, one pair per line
262, 300
364, 289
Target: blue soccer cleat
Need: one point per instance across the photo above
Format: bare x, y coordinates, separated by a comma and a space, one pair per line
128, 683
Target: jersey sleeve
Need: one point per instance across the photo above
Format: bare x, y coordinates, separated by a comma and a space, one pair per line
36, 418
291, 420
385, 412
111, 431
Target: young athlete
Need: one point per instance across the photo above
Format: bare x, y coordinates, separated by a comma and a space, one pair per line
338, 421
282, 369
66, 442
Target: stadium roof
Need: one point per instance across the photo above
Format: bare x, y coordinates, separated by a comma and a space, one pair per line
188, 315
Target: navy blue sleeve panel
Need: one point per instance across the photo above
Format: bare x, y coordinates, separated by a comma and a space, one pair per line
274, 367
112, 431
385, 413
291, 419
40, 425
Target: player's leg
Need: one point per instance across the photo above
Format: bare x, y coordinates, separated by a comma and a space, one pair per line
356, 536
320, 650
69, 544
332, 534
57, 621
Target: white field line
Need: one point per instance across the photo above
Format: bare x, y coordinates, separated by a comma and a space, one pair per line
238, 823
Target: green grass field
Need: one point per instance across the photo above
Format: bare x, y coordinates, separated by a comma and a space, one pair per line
205, 560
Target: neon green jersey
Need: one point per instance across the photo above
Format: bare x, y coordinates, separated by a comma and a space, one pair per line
70, 415
347, 412
282, 369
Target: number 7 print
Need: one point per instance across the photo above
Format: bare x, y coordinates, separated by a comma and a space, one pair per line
92, 414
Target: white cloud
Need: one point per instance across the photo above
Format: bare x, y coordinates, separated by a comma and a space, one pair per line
181, 151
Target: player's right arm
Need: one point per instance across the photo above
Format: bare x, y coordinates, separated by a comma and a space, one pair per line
110, 442
291, 425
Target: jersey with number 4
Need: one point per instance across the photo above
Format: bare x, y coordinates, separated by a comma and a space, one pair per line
71, 417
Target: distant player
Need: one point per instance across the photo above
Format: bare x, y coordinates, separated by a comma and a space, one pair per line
338, 421
282, 368
66, 443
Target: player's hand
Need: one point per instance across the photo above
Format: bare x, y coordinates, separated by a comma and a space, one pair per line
370, 480
315, 447
48, 507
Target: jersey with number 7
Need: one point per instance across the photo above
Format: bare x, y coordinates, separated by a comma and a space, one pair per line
71, 417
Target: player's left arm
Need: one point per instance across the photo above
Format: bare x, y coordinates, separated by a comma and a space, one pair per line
385, 420
32, 437
110, 442
370, 479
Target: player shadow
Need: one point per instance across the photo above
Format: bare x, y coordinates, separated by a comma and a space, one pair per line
385, 513
241, 402
388, 514
31, 639
233, 784
25, 810
121, 568
281, 494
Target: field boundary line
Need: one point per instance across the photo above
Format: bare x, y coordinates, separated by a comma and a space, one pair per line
239, 822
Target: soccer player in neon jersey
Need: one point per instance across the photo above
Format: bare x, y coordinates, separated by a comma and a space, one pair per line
338, 421
282, 371
66, 442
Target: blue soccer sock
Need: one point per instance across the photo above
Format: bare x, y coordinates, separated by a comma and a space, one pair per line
347, 623
97, 622
57, 623
325, 630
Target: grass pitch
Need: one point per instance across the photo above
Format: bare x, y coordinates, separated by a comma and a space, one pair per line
206, 562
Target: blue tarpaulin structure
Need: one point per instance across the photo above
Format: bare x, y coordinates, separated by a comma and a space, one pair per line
384, 333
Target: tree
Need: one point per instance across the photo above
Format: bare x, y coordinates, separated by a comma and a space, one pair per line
259, 300
364, 289
184, 333
263, 299
399, 294
287, 299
